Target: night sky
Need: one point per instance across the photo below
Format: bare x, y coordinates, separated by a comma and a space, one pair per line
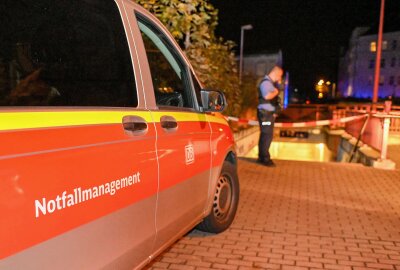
309, 32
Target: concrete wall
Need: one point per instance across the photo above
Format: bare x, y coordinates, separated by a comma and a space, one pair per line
362, 153
246, 140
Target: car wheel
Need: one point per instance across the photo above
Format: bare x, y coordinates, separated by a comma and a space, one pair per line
225, 201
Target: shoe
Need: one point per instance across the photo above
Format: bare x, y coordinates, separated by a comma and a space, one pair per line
268, 163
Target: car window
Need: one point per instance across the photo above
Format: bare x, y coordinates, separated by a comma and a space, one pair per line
64, 53
168, 71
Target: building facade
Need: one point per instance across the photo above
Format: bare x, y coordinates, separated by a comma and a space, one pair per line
357, 67
257, 65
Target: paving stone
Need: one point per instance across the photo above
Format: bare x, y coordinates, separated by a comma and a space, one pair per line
302, 215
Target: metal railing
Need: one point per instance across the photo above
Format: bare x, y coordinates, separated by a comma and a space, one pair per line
340, 111
321, 111
382, 121
387, 118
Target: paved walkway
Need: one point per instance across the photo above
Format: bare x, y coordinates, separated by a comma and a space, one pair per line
394, 154
302, 215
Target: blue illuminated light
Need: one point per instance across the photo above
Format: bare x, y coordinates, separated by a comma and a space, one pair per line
286, 91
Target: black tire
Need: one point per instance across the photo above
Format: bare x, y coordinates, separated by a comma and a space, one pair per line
225, 201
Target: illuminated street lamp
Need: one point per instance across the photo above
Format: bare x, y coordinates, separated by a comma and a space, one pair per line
242, 28
321, 88
324, 87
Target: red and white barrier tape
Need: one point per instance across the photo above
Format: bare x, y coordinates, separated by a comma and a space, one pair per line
302, 124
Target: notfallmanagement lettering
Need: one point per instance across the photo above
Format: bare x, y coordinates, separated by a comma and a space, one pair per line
64, 200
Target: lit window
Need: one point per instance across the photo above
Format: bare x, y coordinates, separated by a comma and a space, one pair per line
372, 46
384, 45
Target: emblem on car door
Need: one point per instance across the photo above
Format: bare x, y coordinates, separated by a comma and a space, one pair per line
189, 154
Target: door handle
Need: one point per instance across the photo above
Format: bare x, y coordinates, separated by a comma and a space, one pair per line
134, 125
168, 123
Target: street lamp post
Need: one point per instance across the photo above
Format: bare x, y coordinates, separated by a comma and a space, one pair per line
242, 28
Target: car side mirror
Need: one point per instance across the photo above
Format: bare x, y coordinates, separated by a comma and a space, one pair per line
213, 101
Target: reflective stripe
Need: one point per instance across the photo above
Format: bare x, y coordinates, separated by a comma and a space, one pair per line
190, 117
220, 119
29, 120
25, 120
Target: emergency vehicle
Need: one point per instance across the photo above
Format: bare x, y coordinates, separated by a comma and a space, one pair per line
110, 148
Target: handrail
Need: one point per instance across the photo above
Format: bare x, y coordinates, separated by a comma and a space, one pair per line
387, 115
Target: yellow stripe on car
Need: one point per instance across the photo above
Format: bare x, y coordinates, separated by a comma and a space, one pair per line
28, 120
25, 120
190, 117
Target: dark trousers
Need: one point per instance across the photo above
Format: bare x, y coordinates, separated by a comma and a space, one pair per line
266, 121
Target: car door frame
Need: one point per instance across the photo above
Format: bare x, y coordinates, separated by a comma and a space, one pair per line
165, 236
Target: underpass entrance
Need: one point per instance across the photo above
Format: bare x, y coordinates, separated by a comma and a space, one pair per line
300, 144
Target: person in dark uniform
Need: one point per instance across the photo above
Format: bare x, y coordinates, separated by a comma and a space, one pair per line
266, 113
